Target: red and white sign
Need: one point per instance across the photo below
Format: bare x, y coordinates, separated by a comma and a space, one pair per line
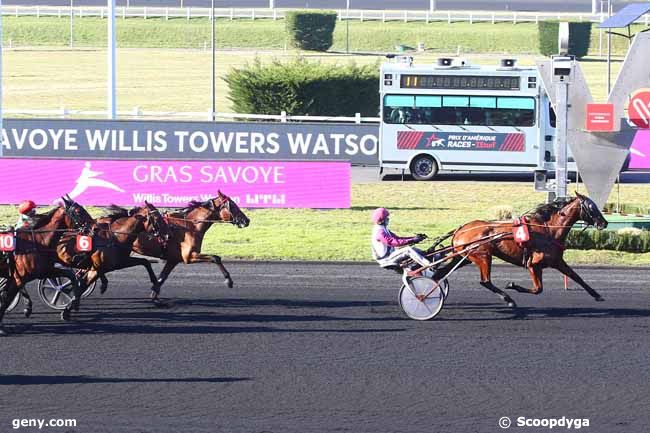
84, 243
638, 112
521, 234
600, 117
7, 242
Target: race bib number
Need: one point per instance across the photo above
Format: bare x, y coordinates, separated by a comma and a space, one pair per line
84, 243
7, 242
521, 234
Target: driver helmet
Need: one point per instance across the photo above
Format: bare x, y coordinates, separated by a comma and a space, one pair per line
26, 207
379, 215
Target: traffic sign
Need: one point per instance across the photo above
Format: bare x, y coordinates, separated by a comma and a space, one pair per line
600, 117
638, 111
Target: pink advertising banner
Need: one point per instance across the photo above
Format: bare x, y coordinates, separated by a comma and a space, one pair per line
174, 183
640, 151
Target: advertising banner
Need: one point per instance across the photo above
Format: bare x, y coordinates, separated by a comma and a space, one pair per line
251, 184
509, 142
640, 151
223, 141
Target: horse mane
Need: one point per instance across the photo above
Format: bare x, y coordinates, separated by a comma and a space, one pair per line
545, 211
44, 218
116, 212
194, 204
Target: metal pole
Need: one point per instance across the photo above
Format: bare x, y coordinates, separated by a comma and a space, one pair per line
594, 7
214, 62
561, 140
347, 26
609, 50
2, 141
432, 5
71, 23
112, 112
271, 4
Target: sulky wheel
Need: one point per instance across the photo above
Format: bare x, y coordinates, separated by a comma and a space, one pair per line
419, 300
56, 292
15, 302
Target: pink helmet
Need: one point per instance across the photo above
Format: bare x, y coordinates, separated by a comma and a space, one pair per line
380, 215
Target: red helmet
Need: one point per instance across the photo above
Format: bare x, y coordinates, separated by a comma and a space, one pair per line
380, 215
26, 207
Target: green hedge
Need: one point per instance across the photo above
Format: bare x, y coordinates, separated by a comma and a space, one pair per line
304, 88
311, 30
609, 240
579, 38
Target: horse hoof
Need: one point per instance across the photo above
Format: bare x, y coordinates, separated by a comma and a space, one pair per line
599, 299
103, 289
228, 282
65, 315
27, 312
3, 333
511, 303
153, 295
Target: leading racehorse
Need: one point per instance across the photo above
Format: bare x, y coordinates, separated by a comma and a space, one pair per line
187, 228
548, 225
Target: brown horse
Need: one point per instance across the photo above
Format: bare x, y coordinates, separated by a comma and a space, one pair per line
187, 228
548, 225
35, 258
112, 245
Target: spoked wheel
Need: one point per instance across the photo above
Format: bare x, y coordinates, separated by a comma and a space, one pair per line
419, 300
56, 292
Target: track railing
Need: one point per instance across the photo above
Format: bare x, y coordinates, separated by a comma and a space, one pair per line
189, 13
137, 113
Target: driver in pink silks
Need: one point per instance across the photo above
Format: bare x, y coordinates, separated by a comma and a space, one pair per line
391, 250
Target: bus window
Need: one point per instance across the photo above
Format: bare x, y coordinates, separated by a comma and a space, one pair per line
515, 112
398, 108
480, 110
455, 110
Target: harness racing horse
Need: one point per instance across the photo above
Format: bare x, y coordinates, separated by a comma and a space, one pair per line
35, 258
548, 225
112, 245
187, 228
156, 230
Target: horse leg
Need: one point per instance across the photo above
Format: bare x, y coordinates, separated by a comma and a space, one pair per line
130, 262
164, 274
484, 264
7, 294
77, 290
569, 272
92, 276
27, 302
205, 258
536, 276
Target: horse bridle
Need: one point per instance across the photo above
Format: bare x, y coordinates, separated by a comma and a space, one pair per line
155, 224
82, 226
585, 213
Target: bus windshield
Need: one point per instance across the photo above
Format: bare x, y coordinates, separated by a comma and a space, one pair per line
459, 110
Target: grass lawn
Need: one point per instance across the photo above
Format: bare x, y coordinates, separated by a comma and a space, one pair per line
417, 207
168, 79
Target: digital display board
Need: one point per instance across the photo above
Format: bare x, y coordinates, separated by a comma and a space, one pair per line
479, 82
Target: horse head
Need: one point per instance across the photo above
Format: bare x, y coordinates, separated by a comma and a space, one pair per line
590, 213
79, 216
156, 223
227, 210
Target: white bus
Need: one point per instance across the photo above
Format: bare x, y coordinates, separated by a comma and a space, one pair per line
456, 117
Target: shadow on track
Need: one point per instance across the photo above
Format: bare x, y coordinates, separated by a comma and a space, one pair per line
532, 313
23, 379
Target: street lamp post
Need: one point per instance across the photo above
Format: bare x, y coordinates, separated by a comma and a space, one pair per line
609, 50
347, 26
71, 23
214, 62
112, 70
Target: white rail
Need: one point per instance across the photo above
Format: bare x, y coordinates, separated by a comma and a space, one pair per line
189, 13
137, 113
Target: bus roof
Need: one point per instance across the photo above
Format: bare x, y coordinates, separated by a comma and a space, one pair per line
456, 68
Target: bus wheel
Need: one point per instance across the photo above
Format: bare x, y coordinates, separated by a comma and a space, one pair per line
423, 167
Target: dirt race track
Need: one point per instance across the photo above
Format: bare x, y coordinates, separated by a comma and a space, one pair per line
323, 348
